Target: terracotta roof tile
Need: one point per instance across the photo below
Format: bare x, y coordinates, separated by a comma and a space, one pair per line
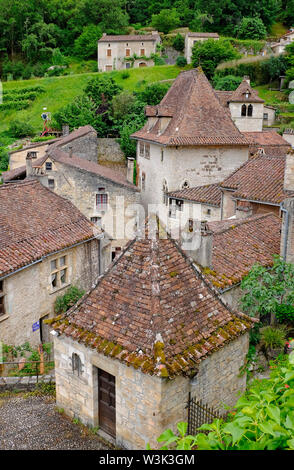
208, 194
239, 244
35, 222
203, 35
197, 117
129, 37
153, 310
239, 95
272, 143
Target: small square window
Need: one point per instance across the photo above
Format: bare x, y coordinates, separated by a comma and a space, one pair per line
48, 166
53, 265
51, 183
63, 276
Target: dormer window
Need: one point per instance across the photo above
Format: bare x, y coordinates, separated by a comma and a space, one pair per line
48, 166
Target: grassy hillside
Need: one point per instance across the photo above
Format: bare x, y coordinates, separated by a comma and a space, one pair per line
62, 90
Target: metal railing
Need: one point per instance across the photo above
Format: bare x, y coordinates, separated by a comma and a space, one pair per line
25, 368
200, 413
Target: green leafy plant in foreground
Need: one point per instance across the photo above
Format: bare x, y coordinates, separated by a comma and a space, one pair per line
263, 418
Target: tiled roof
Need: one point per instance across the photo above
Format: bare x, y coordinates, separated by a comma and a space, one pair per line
153, 310
259, 179
91, 167
240, 94
76, 134
12, 175
129, 37
197, 117
208, 194
35, 222
272, 143
203, 35
239, 244
36, 144
224, 97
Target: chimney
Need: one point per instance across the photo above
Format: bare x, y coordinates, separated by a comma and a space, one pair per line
70, 152
29, 165
247, 78
204, 240
65, 129
130, 170
289, 171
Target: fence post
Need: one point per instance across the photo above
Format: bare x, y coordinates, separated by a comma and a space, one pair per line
189, 418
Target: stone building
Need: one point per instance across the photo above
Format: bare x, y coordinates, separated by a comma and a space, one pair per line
258, 186
191, 38
279, 46
46, 246
126, 51
229, 248
82, 141
189, 140
151, 331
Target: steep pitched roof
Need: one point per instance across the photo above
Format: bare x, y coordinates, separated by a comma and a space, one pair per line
153, 310
224, 97
197, 117
239, 95
35, 222
208, 194
259, 179
239, 244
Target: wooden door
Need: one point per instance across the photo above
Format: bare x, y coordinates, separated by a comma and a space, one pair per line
106, 394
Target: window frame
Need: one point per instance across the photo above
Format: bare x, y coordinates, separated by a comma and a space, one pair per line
102, 206
76, 364
2, 299
57, 272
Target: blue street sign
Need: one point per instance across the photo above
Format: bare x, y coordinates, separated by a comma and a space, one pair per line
36, 326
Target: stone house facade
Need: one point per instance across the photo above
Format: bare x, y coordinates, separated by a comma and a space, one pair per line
127, 364
279, 46
189, 139
59, 248
191, 38
126, 51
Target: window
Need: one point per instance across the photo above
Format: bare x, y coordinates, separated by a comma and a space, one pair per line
108, 68
96, 221
48, 166
174, 206
191, 225
243, 110
51, 183
147, 150
128, 65
101, 200
128, 52
265, 116
164, 191
250, 110
162, 155
2, 309
108, 52
143, 181
59, 272
142, 52
208, 212
142, 148
76, 364
115, 252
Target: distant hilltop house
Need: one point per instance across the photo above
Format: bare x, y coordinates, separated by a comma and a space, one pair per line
191, 38
285, 40
124, 51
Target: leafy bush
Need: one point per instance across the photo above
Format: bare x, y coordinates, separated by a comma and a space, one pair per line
285, 313
85, 45
263, 418
66, 301
211, 53
4, 159
272, 338
251, 28
230, 82
166, 20
179, 43
125, 75
20, 129
153, 94
181, 61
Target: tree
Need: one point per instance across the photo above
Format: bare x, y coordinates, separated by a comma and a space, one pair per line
102, 87
166, 20
85, 45
266, 289
229, 82
210, 53
179, 43
122, 105
197, 24
251, 28
153, 94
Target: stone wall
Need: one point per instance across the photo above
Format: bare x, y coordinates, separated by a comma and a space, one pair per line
23, 383
145, 405
287, 237
29, 295
84, 147
252, 123
109, 150
18, 158
196, 165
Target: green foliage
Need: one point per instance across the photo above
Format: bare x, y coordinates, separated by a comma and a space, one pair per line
102, 87
42, 389
66, 301
210, 53
166, 20
285, 313
4, 159
20, 129
179, 43
272, 338
153, 94
181, 61
266, 288
263, 418
229, 82
122, 105
251, 28
85, 45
